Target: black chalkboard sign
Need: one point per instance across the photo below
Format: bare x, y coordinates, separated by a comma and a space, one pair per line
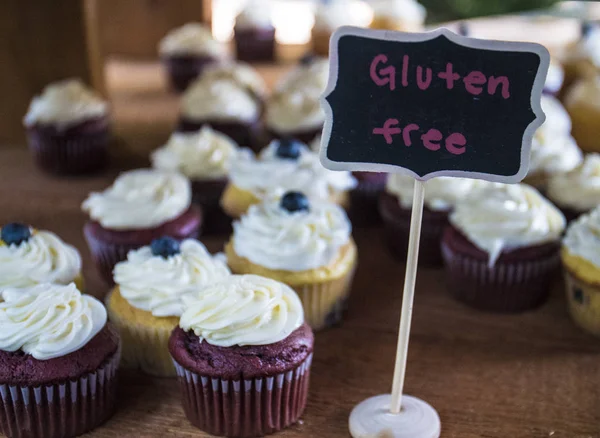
432, 104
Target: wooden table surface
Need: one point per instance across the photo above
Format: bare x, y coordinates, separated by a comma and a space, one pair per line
528, 375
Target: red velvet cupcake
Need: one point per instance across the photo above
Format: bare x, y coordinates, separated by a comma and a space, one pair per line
186, 51
68, 129
395, 207
224, 104
204, 157
239, 379
52, 384
254, 33
501, 250
140, 206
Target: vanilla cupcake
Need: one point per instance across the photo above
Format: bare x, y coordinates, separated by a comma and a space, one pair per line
333, 14
140, 206
553, 149
205, 157
441, 196
581, 59
401, 15
225, 105
284, 165
29, 257
304, 244
581, 262
186, 51
501, 249
578, 191
582, 103
68, 128
254, 33
148, 299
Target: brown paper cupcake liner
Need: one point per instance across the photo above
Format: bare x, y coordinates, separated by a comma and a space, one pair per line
69, 154
584, 303
513, 286
63, 410
107, 254
244, 408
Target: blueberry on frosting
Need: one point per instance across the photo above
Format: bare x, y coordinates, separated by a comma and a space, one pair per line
15, 233
294, 201
289, 149
165, 247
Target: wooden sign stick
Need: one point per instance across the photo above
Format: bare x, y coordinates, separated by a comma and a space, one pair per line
408, 296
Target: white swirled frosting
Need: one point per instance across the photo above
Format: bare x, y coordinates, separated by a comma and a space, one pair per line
158, 285
221, 99
507, 216
239, 72
270, 236
441, 194
580, 188
143, 198
65, 103
206, 154
295, 110
313, 76
48, 320
191, 38
582, 238
255, 15
305, 174
43, 258
243, 310
558, 120
552, 152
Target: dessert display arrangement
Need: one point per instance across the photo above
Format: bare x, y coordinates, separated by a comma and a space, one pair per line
251, 278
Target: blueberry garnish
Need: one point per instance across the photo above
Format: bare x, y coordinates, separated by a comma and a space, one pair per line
578, 295
289, 149
586, 28
165, 247
15, 233
463, 29
307, 59
294, 201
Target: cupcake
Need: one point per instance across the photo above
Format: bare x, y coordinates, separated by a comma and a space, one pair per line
242, 74
578, 191
554, 79
401, 15
553, 149
581, 262
68, 129
205, 158
285, 164
29, 257
58, 362
224, 104
294, 108
502, 248
147, 301
140, 206
331, 15
441, 195
581, 101
186, 51
243, 353
254, 33
304, 244
582, 58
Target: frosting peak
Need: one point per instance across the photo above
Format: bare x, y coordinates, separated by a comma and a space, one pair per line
243, 310
159, 285
48, 321
507, 216
206, 154
191, 38
142, 198
65, 103
270, 236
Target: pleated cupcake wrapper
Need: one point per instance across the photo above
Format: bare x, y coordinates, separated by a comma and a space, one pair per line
59, 410
144, 348
244, 408
584, 303
504, 287
70, 154
324, 303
